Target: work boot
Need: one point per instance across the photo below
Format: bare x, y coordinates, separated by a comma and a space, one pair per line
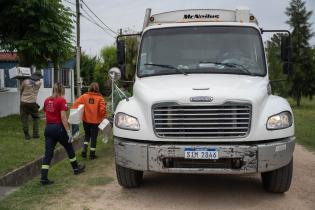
44, 182
27, 136
44, 176
83, 154
79, 169
84, 149
35, 128
92, 155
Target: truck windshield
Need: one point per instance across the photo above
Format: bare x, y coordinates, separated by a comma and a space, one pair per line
202, 49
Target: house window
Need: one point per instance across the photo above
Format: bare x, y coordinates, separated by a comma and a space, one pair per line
9, 83
47, 78
65, 77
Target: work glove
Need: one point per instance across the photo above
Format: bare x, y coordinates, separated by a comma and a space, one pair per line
111, 120
70, 137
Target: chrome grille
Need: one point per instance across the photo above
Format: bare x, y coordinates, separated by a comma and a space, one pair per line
220, 121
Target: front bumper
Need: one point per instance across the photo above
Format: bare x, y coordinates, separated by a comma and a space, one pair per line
253, 158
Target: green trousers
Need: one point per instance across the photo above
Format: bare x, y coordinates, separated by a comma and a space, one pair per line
26, 110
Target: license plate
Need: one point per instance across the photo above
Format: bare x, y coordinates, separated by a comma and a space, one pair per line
201, 153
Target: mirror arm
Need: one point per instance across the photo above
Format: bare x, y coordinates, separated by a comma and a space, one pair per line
121, 92
126, 35
275, 31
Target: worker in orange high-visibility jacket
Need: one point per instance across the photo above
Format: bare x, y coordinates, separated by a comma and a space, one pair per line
93, 115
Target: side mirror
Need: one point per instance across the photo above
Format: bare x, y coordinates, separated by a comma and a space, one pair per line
285, 48
121, 52
114, 73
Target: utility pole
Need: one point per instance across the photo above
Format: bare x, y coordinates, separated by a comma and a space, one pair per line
78, 49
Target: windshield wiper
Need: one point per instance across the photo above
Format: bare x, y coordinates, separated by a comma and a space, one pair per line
235, 65
166, 66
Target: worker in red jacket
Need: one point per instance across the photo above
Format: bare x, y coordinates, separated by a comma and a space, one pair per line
57, 130
93, 115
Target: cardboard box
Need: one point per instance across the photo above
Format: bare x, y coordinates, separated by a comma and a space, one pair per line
19, 73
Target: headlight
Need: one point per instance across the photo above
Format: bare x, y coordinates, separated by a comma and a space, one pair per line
127, 122
279, 121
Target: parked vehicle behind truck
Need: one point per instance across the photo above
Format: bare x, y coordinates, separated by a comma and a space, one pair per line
202, 101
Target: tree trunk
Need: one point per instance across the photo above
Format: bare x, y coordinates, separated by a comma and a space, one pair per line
56, 72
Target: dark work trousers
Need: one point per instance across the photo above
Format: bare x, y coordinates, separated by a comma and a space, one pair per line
91, 132
56, 133
27, 109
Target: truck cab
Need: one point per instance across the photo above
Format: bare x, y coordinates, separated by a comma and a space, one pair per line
202, 102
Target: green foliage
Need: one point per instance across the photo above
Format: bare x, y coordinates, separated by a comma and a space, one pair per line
94, 69
39, 30
304, 122
108, 60
88, 65
275, 65
109, 56
303, 78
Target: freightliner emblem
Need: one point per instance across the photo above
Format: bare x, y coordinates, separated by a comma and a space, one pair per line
201, 99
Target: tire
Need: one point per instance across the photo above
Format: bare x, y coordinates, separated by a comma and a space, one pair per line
128, 178
279, 180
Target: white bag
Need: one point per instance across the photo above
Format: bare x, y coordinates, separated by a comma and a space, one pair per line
75, 116
105, 129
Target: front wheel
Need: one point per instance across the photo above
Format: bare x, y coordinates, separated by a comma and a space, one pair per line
279, 180
128, 178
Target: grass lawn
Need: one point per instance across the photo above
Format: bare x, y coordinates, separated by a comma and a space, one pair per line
33, 196
14, 150
304, 117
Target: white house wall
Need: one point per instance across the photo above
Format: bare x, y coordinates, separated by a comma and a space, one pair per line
9, 102
46, 92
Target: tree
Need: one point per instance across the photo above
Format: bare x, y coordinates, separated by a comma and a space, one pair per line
302, 79
88, 65
108, 60
275, 65
38, 30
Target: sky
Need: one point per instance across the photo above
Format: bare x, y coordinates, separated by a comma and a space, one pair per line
129, 14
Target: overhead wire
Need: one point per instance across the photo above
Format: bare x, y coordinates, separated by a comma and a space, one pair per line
69, 2
95, 23
90, 19
99, 18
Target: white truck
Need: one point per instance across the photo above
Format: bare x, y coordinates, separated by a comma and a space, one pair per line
202, 101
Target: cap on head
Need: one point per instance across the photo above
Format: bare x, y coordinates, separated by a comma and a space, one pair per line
36, 76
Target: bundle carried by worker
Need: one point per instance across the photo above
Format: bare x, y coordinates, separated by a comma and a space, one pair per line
75, 118
106, 129
20, 73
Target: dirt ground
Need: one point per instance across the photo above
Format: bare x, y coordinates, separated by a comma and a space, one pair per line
178, 191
